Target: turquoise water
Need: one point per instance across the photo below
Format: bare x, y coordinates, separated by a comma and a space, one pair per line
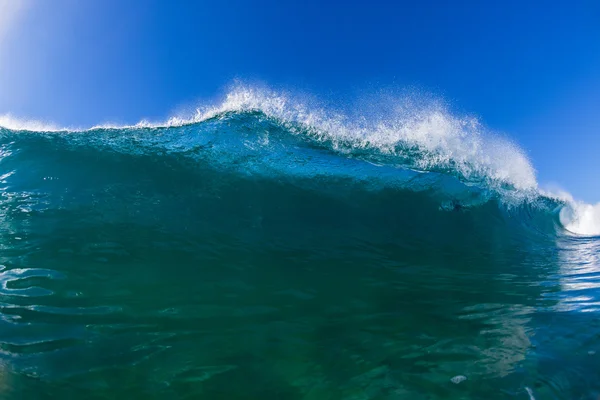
246, 256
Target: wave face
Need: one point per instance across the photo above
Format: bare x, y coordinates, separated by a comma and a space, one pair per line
296, 251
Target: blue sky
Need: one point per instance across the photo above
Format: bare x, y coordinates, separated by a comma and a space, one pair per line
530, 70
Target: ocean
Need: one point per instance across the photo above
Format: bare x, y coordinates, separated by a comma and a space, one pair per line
267, 248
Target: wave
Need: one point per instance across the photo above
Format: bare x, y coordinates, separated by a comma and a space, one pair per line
401, 143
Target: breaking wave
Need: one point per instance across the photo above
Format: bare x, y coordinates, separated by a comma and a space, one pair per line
403, 143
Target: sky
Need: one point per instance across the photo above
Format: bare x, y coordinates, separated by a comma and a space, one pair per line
528, 69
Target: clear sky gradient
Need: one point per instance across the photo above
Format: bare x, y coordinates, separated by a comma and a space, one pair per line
528, 69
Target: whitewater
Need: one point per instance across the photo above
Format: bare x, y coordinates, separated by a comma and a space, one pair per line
274, 246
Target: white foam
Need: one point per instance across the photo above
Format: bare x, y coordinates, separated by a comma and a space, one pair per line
19, 124
581, 218
575, 216
458, 379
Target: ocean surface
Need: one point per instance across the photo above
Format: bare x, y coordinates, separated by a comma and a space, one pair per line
267, 248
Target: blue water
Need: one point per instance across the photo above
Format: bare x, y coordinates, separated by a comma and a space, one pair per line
264, 249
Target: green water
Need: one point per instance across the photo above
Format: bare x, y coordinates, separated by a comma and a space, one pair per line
155, 276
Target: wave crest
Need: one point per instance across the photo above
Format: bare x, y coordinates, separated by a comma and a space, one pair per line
432, 137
